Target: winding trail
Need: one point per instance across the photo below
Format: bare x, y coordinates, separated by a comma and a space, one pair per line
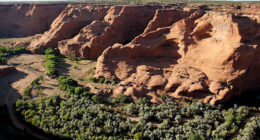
28, 68
11, 85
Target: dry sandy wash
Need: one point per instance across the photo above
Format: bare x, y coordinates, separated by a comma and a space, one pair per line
209, 52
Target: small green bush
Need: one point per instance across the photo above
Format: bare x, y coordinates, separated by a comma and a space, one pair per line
143, 100
113, 82
92, 79
122, 98
49, 51
96, 99
4, 52
3, 60
79, 90
138, 136
101, 80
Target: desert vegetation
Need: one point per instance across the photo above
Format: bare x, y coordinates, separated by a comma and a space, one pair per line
51, 62
81, 114
140, 71
102, 80
86, 116
5, 52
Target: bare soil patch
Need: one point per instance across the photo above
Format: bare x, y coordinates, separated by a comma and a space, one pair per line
17, 42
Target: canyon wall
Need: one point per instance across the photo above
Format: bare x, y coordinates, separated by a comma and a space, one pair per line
209, 56
208, 53
20, 20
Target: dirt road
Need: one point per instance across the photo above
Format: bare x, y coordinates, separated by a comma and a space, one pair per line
12, 85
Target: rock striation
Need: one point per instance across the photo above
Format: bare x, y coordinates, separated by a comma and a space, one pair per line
66, 25
120, 25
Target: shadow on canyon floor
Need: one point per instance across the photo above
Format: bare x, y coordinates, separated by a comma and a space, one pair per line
249, 98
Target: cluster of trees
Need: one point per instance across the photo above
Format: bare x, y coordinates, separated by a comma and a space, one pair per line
82, 116
5, 52
51, 63
251, 129
102, 80
71, 87
77, 117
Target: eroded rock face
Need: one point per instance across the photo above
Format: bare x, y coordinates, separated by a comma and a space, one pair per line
207, 53
27, 20
209, 56
67, 24
120, 25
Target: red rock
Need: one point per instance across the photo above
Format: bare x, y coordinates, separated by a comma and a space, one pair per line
19, 20
69, 22
120, 25
210, 55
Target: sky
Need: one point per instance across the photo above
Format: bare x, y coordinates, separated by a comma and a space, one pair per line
97, 0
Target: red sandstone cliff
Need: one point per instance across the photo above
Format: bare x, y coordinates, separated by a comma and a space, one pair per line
208, 53
27, 20
120, 25
211, 56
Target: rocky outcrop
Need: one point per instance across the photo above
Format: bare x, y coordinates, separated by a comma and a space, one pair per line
211, 57
66, 25
207, 52
26, 19
120, 25
4, 69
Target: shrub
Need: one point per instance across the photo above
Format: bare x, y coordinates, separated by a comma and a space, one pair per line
96, 99
79, 90
138, 136
51, 62
92, 79
4, 52
229, 116
178, 119
3, 60
122, 98
49, 51
164, 97
66, 83
88, 93
20, 104
113, 82
143, 100
101, 80
195, 136
106, 81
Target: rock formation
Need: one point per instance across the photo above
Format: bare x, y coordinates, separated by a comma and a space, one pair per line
27, 20
120, 25
211, 56
66, 25
204, 52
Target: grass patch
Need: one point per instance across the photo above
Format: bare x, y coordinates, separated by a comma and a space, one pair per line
5, 52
